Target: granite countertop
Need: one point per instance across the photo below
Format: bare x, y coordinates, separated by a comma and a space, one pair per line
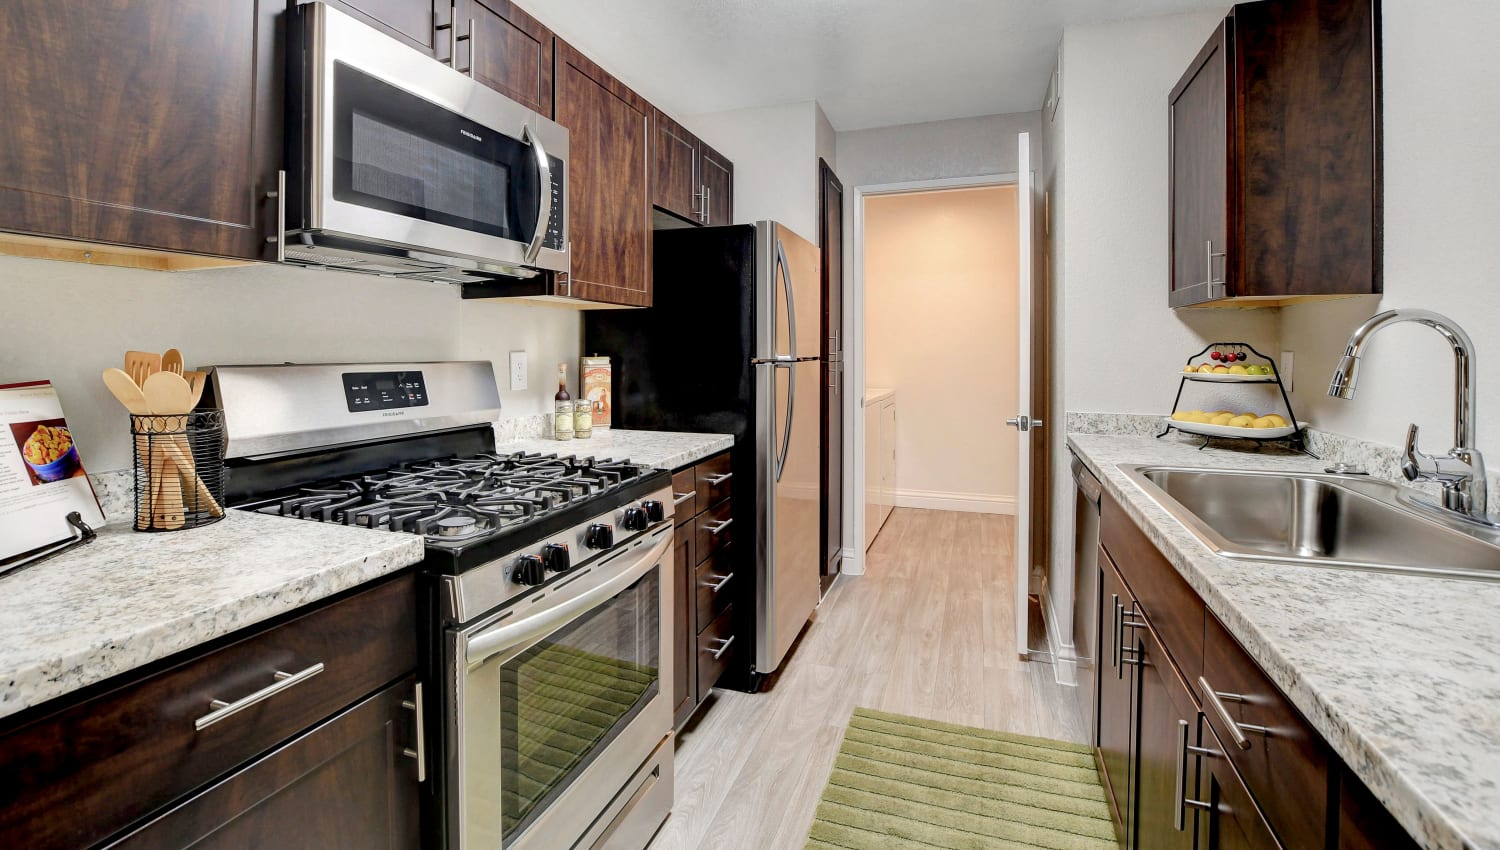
131, 598
661, 449
1398, 673
875, 395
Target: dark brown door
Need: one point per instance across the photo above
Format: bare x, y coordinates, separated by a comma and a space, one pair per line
148, 124
609, 197
675, 183
1199, 185
831, 249
718, 181
1229, 820
1117, 676
413, 22
1167, 725
507, 50
684, 627
344, 783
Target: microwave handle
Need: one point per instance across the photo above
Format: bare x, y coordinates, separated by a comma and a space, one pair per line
499, 638
544, 194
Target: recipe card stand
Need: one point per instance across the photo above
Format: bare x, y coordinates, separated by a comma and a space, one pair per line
81, 534
1295, 440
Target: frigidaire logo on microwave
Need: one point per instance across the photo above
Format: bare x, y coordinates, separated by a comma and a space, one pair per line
471, 135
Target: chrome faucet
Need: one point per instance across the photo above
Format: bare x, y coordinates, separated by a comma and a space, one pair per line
1460, 471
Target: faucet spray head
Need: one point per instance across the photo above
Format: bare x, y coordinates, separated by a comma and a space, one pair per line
1345, 376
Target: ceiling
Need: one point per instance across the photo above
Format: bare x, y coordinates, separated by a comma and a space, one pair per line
870, 63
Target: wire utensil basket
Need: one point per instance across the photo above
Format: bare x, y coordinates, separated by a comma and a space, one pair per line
179, 469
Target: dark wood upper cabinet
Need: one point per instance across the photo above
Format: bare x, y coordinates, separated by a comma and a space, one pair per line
676, 182
156, 125
507, 50
718, 182
414, 23
1275, 170
609, 185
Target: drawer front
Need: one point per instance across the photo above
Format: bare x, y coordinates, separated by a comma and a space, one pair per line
715, 650
685, 494
1286, 768
715, 583
114, 758
714, 480
713, 531
1164, 596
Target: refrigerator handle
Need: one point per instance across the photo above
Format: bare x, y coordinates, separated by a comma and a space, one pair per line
786, 428
791, 310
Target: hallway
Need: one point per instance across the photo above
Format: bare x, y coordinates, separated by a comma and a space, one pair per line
928, 631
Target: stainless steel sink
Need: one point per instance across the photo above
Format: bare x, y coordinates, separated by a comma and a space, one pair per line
1345, 521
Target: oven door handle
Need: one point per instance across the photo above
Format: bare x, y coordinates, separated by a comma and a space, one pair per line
499, 638
544, 192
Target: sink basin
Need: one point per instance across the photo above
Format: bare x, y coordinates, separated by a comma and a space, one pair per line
1354, 522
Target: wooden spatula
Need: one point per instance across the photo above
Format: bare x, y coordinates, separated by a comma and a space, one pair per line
140, 365
171, 361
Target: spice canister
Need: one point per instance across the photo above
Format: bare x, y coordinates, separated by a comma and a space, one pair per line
595, 385
583, 419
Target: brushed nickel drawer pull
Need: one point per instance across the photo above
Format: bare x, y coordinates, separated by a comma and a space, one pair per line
284, 681
718, 586
1237, 730
716, 480
723, 647
1181, 801
718, 526
679, 498
415, 706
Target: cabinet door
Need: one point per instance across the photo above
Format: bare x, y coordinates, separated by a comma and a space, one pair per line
507, 50
609, 199
344, 783
675, 182
1167, 723
413, 22
1229, 819
684, 628
1365, 824
1116, 685
718, 180
148, 124
888, 457
1199, 184
873, 473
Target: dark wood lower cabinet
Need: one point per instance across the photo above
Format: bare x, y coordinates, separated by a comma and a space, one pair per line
702, 615
344, 783
1230, 818
684, 671
1168, 723
1363, 823
1115, 734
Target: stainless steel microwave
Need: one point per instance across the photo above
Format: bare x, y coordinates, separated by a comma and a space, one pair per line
400, 165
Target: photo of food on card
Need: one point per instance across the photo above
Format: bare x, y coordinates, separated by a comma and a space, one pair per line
47, 448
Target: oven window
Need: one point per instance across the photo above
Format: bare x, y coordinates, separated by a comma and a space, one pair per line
398, 153
563, 700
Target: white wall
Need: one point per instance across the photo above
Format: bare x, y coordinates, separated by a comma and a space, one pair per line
1442, 169
775, 154
86, 317
941, 329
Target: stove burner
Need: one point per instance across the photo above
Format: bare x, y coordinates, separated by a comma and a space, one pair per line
455, 526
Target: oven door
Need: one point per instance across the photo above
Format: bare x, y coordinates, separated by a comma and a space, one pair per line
560, 702
405, 152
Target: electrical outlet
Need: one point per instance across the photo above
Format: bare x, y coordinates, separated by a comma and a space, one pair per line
518, 370
1285, 368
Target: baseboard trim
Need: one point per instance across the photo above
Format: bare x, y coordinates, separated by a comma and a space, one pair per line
973, 503
1064, 656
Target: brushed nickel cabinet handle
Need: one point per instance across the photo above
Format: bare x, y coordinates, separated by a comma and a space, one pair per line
1237, 730
415, 706
716, 480
718, 526
284, 681
719, 585
679, 498
723, 647
1180, 799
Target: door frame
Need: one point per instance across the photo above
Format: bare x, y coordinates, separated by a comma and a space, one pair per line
854, 352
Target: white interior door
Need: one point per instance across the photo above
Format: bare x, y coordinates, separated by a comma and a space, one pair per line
1025, 201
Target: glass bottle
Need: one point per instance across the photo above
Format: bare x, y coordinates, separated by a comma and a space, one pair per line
562, 416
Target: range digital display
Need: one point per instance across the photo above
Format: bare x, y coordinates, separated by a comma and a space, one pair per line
383, 390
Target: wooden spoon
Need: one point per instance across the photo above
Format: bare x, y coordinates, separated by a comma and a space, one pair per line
129, 394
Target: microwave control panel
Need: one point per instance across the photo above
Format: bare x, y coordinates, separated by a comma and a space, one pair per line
557, 226
383, 390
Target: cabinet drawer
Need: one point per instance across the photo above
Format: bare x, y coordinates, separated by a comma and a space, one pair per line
714, 579
111, 759
714, 479
1164, 596
684, 494
713, 531
1286, 767
715, 650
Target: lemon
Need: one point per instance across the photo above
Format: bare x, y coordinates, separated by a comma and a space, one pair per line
1278, 419
1242, 421
1237, 369
1263, 422
1180, 416
1205, 368
1221, 370
1221, 419
1190, 368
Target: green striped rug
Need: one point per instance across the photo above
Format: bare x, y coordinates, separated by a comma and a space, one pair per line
901, 783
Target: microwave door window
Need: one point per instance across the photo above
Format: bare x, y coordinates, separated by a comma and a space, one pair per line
398, 153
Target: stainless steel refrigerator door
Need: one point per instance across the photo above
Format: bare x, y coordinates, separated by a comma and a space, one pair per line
787, 297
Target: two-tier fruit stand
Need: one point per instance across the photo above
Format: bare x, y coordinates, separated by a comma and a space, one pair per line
1292, 434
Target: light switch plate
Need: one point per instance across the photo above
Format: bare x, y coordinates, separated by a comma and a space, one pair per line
518, 370
1285, 368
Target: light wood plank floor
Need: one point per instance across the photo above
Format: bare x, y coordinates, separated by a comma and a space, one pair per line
928, 631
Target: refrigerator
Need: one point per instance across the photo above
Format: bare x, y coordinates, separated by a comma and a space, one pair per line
731, 344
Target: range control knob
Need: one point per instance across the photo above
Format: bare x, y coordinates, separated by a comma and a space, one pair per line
556, 558
655, 511
529, 570
635, 519
599, 536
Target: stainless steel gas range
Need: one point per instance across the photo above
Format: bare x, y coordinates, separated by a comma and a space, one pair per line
546, 591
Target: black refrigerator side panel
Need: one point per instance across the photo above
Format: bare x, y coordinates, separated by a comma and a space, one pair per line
684, 363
